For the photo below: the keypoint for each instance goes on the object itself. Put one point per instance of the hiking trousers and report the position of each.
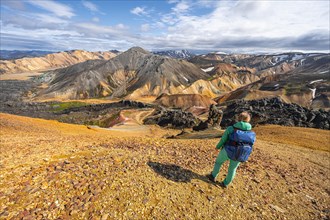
(222, 157)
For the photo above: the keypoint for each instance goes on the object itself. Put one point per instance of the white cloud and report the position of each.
(90, 6)
(231, 25)
(169, 19)
(172, 1)
(95, 19)
(145, 27)
(56, 8)
(19, 5)
(139, 11)
(91, 29)
(32, 21)
(247, 24)
(121, 27)
(50, 19)
(206, 3)
(181, 7)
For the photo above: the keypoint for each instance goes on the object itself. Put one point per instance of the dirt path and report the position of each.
(51, 170)
(141, 115)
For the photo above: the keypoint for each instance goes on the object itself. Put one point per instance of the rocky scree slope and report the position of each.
(232, 71)
(51, 61)
(52, 170)
(135, 72)
(307, 85)
(261, 65)
(187, 102)
(228, 77)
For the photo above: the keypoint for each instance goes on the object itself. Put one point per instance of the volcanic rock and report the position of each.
(214, 119)
(175, 118)
(276, 111)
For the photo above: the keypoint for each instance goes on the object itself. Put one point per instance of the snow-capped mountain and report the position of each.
(178, 54)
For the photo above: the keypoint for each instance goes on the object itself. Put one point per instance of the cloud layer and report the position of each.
(238, 26)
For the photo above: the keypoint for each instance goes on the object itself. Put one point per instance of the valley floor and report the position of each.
(51, 170)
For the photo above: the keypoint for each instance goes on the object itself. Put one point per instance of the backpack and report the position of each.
(240, 144)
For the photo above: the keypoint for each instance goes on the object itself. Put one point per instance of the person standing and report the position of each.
(235, 145)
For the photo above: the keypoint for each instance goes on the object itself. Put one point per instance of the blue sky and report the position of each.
(229, 26)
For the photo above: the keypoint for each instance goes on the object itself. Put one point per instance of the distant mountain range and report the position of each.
(137, 73)
(17, 54)
(308, 84)
(51, 61)
(177, 54)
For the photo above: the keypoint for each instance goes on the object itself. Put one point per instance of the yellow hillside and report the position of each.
(52, 170)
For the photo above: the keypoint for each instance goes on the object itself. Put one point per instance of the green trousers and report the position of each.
(222, 157)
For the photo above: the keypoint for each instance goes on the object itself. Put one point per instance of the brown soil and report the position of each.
(312, 138)
(52, 170)
(19, 76)
(184, 101)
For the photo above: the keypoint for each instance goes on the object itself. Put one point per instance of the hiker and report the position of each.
(235, 145)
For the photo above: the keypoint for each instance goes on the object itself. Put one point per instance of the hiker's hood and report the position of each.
(243, 125)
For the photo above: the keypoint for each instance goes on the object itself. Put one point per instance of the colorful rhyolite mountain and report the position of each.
(51, 61)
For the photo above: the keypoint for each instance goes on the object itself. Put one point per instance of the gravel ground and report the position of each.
(52, 170)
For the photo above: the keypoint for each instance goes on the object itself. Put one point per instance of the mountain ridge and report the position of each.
(18, 54)
(178, 54)
(135, 72)
(51, 61)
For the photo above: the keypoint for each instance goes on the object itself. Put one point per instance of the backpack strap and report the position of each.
(235, 143)
(235, 128)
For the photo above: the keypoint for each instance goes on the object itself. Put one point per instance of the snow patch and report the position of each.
(185, 78)
(221, 53)
(208, 69)
(313, 92)
(319, 80)
(281, 58)
(297, 57)
(272, 63)
(302, 61)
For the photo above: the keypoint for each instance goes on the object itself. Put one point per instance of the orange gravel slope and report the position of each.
(52, 170)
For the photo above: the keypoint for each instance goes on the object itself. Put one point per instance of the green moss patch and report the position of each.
(57, 107)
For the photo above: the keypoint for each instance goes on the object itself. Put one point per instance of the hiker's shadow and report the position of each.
(176, 173)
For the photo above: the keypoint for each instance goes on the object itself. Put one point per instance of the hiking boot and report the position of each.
(222, 184)
(211, 177)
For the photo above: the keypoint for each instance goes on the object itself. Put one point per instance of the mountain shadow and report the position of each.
(176, 173)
